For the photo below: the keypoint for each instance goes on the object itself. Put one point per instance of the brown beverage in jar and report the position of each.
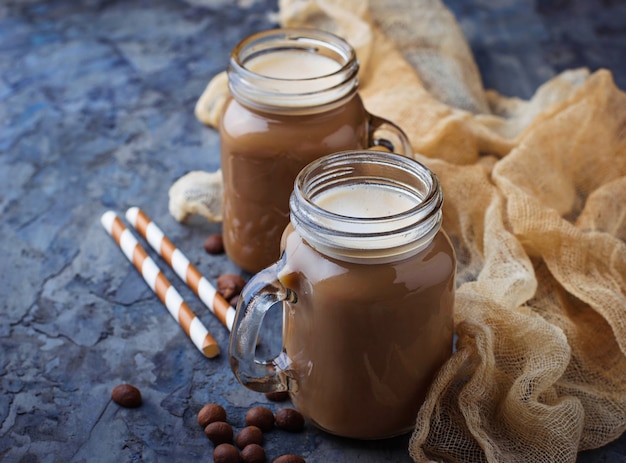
(293, 99)
(368, 317)
(367, 280)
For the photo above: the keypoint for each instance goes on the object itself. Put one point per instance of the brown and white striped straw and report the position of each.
(157, 281)
(182, 266)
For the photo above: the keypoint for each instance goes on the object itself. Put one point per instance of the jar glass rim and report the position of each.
(291, 39)
(264, 92)
(393, 234)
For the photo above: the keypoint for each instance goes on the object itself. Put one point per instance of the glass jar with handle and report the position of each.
(293, 98)
(366, 280)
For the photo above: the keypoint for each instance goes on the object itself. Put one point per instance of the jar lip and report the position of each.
(296, 38)
(433, 198)
(268, 92)
(387, 236)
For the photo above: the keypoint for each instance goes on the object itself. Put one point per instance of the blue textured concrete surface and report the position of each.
(96, 113)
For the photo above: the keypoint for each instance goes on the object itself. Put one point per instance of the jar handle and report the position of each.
(261, 292)
(386, 134)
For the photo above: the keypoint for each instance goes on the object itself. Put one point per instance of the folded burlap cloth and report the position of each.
(535, 204)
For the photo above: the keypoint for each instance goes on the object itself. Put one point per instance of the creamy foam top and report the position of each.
(365, 201)
(367, 223)
(292, 64)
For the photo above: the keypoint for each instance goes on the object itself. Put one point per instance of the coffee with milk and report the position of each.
(293, 99)
(367, 284)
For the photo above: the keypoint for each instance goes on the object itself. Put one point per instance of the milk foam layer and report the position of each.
(365, 201)
(292, 64)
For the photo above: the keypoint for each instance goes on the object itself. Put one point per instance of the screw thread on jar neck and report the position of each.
(292, 85)
(367, 206)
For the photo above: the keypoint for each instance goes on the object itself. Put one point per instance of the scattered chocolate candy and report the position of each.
(277, 396)
(253, 453)
(219, 432)
(226, 453)
(249, 435)
(126, 395)
(250, 439)
(289, 459)
(230, 285)
(261, 417)
(211, 413)
(214, 244)
(290, 420)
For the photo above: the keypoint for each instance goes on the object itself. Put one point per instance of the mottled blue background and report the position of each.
(96, 113)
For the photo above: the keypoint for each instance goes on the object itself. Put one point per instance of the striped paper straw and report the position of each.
(182, 266)
(157, 281)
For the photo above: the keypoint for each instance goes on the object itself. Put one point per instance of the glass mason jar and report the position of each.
(293, 98)
(366, 281)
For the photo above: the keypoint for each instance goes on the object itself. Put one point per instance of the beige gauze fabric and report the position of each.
(535, 204)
